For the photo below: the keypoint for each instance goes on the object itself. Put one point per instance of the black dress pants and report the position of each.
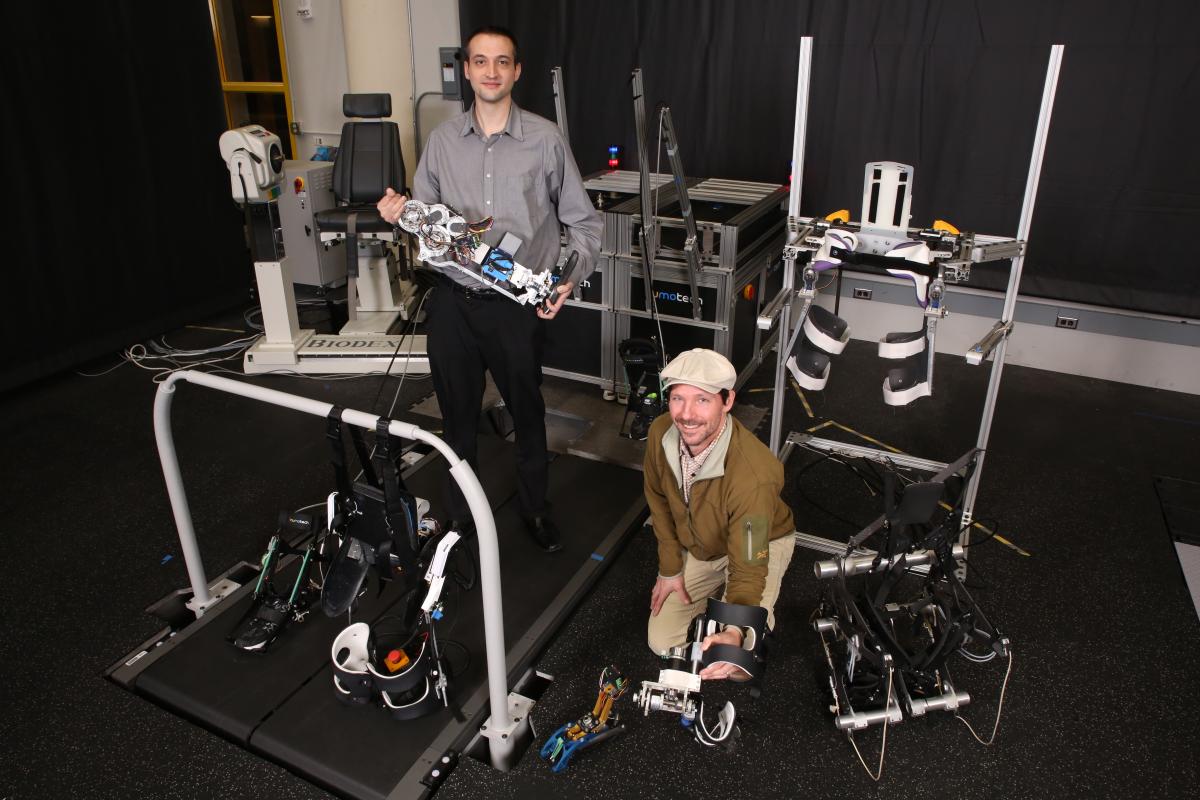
(471, 333)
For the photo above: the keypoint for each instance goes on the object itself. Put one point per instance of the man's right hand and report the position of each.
(390, 206)
(662, 590)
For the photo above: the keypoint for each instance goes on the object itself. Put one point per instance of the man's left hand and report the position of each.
(550, 310)
(723, 670)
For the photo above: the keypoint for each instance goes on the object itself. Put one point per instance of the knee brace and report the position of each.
(752, 620)
(909, 380)
(403, 675)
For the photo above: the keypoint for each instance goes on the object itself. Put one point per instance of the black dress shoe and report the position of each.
(544, 532)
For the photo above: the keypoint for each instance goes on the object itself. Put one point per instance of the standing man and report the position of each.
(713, 490)
(497, 160)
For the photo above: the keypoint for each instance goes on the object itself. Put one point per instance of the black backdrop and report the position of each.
(119, 204)
(951, 87)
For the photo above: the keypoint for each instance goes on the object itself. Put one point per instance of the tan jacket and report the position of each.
(735, 506)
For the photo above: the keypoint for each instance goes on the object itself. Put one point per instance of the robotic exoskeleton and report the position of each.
(891, 619)
(677, 689)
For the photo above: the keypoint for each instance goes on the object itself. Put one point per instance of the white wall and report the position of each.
(434, 25)
(317, 76)
(367, 46)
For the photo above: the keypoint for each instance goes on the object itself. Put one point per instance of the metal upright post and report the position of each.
(1014, 279)
(790, 251)
(560, 102)
(648, 234)
(685, 210)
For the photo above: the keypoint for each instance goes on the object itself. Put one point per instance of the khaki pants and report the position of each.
(703, 579)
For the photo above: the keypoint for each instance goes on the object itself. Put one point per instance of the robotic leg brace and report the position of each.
(677, 689)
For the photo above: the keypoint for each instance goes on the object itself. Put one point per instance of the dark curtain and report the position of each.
(120, 207)
(951, 87)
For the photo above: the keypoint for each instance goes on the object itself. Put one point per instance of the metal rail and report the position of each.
(502, 721)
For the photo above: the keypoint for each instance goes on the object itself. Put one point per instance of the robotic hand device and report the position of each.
(447, 240)
(889, 622)
(590, 729)
(677, 689)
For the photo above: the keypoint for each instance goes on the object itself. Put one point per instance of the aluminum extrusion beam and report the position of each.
(1014, 277)
(560, 102)
(649, 230)
(799, 134)
(685, 209)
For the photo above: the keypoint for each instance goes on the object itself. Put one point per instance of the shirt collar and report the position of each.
(513, 128)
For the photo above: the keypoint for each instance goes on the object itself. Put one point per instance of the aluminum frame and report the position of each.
(982, 248)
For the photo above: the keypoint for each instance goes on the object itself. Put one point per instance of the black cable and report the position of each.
(412, 328)
(800, 488)
(451, 674)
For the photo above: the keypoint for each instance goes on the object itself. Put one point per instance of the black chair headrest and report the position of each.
(371, 106)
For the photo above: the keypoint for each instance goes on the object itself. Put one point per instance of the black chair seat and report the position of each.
(336, 220)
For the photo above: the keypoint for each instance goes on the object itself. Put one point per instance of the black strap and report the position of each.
(753, 661)
(352, 246)
(333, 432)
(399, 504)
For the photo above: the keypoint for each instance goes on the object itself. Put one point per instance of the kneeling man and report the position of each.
(713, 491)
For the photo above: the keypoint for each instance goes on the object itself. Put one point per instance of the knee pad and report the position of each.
(824, 335)
(909, 380)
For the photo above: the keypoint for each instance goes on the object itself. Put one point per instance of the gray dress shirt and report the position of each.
(525, 177)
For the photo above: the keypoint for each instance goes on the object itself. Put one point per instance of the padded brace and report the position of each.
(823, 334)
(902, 344)
(907, 382)
(752, 660)
(408, 694)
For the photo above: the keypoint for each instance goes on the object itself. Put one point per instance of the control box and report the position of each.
(306, 189)
(450, 72)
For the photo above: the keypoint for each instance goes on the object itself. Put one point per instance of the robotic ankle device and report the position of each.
(643, 360)
(403, 669)
(590, 729)
(889, 621)
(379, 524)
(271, 610)
(448, 240)
(677, 689)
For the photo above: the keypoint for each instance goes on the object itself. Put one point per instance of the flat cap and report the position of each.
(704, 369)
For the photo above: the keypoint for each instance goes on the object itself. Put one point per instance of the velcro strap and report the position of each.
(732, 654)
(426, 703)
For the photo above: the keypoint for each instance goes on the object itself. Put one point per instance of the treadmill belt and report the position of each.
(282, 703)
(233, 691)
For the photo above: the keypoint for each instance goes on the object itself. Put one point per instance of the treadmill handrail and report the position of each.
(485, 523)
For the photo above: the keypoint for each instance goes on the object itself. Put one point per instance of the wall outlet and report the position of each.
(1070, 323)
(861, 293)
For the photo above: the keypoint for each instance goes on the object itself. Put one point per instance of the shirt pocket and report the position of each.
(521, 197)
